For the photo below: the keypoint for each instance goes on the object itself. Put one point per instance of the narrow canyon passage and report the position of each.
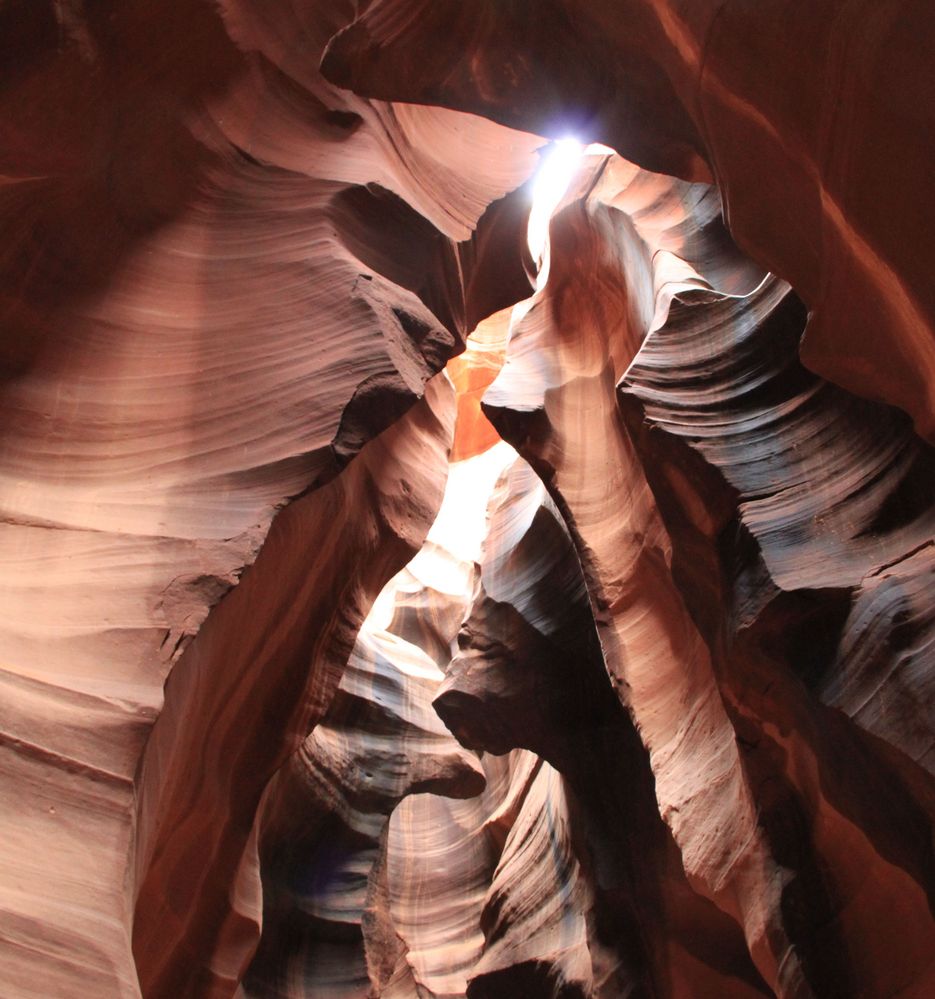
(468, 496)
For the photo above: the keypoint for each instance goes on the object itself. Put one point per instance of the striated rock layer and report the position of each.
(417, 582)
(222, 277)
(720, 596)
(797, 111)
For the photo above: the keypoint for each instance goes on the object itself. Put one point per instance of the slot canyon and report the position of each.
(467, 499)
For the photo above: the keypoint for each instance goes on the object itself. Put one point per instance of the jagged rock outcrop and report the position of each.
(600, 663)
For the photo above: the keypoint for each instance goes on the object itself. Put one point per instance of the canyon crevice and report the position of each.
(468, 500)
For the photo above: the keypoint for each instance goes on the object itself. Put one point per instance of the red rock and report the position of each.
(265, 565)
(796, 110)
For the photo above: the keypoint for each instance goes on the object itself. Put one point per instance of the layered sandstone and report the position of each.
(797, 111)
(400, 603)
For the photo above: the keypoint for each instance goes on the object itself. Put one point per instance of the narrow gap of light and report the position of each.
(456, 539)
(555, 173)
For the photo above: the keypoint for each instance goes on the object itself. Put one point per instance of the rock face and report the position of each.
(393, 606)
(796, 143)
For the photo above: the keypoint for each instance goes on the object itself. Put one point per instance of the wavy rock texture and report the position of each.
(553, 879)
(206, 313)
(793, 592)
(262, 671)
(802, 149)
(310, 684)
(327, 810)
(721, 592)
(624, 919)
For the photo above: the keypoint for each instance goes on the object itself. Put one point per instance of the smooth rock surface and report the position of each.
(420, 580)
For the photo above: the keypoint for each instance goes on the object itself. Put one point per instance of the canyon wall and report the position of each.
(404, 596)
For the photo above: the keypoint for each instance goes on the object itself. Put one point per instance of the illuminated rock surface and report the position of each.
(599, 664)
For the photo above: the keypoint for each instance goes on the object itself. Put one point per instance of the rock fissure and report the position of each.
(444, 559)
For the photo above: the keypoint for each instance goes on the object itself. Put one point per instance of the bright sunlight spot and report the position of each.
(555, 174)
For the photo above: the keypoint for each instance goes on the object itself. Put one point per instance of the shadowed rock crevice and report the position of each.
(439, 561)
